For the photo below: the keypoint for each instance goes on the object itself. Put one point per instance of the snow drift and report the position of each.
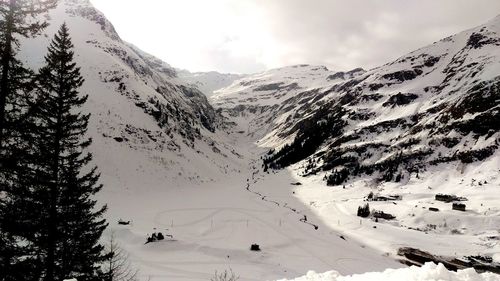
(429, 271)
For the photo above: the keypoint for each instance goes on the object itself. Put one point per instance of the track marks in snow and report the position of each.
(285, 205)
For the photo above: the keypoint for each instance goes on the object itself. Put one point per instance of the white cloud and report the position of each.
(252, 35)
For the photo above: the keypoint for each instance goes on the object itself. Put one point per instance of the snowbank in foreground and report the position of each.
(428, 272)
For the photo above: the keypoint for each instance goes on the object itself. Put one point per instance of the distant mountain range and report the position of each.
(209, 82)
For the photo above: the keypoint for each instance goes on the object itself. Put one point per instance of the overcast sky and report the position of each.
(246, 36)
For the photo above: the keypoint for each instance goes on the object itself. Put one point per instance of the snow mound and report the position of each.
(428, 272)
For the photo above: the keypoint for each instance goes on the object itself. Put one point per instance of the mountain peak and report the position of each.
(85, 9)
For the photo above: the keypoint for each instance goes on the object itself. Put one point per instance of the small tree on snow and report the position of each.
(225, 276)
(364, 211)
(117, 266)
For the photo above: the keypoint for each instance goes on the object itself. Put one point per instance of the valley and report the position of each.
(284, 158)
(214, 224)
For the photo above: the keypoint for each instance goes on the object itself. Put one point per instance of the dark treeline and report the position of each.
(50, 225)
(312, 132)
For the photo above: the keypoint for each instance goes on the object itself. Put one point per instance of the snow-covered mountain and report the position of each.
(262, 99)
(438, 104)
(140, 109)
(208, 82)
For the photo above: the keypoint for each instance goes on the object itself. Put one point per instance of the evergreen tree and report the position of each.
(364, 211)
(17, 20)
(68, 243)
(19, 224)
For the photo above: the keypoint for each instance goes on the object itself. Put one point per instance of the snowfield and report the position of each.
(428, 272)
(213, 226)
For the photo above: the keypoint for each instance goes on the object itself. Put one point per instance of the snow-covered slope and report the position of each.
(208, 82)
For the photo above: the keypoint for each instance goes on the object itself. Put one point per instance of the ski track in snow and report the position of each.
(285, 205)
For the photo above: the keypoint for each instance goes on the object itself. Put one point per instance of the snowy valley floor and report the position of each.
(214, 224)
(298, 227)
(215, 231)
